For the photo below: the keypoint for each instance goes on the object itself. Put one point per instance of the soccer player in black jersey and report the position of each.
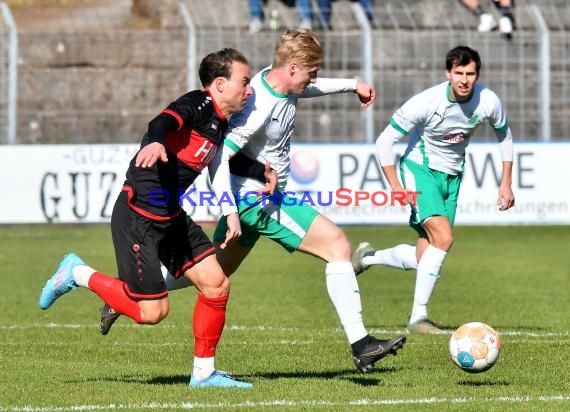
(149, 227)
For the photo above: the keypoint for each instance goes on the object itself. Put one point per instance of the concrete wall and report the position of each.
(98, 72)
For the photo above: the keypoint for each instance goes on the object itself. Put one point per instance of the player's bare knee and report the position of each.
(443, 241)
(152, 317)
(153, 311)
(217, 289)
(447, 241)
(212, 284)
(341, 248)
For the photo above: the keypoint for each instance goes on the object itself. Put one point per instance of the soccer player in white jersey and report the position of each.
(262, 133)
(440, 122)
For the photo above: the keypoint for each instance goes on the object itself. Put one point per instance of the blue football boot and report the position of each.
(218, 379)
(61, 281)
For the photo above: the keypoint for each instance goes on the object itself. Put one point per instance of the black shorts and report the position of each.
(142, 244)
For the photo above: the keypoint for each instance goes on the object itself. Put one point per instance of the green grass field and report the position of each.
(282, 332)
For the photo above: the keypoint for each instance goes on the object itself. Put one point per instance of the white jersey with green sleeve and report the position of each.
(263, 129)
(440, 129)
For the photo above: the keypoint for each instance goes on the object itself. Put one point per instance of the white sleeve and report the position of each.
(385, 143)
(500, 125)
(324, 86)
(243, 126)
(506, 145)
(219, 170)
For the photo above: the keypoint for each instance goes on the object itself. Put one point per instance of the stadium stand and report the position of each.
(96, 71)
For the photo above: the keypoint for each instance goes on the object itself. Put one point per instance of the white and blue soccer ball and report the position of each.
(474, 347)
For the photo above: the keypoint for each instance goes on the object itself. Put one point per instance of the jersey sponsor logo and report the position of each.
(455, 137)
(197, 151)
(203, 153)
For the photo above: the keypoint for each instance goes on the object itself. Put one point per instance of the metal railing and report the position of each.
(8, 74)
(404, 53)
(100, 73)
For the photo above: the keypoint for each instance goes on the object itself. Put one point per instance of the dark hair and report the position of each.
(219, 64)
(462, 56)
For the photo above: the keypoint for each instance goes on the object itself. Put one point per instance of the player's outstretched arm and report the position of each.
(366, 94)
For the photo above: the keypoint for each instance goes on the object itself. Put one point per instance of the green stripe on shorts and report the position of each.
(281, 218)
(439, 193)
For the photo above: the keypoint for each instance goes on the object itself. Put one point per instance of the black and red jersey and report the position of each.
(155, 191)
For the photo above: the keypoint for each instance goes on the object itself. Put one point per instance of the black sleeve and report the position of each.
(189, 108)
(160, 126)
(241, 165)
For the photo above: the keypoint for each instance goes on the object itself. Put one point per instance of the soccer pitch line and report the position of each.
(546, 399)
(261, 328)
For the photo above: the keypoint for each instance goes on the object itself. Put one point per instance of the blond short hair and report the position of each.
(300, 45)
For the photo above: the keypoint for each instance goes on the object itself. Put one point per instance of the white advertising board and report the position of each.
(79, 183)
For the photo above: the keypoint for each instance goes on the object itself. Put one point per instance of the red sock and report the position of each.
(208, 323)
(112, 292)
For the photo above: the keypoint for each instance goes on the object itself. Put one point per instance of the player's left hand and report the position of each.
(506, 198)
(366, 94)
(234, 229)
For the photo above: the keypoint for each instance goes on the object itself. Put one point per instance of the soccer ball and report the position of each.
(474, 347)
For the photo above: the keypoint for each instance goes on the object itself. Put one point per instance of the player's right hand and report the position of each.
(409, 199)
